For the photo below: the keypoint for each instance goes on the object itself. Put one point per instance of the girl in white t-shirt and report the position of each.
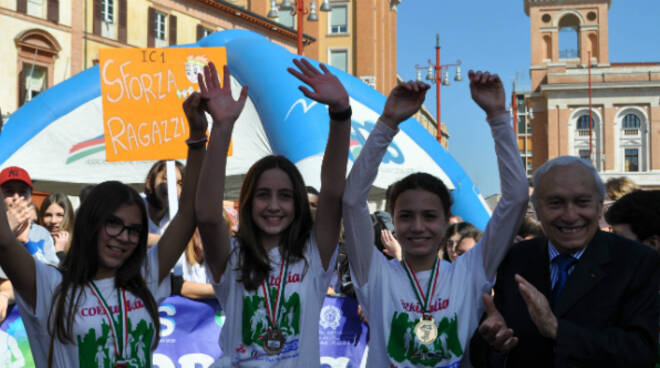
(100, 307)
(422, 310)
(272, 277)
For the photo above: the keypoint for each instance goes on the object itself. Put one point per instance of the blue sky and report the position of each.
(494, 35)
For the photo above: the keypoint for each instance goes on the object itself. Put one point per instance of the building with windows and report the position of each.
(580, 103)
(48, 41)
(358, 37)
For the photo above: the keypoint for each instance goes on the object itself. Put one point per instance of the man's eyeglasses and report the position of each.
(114, 226)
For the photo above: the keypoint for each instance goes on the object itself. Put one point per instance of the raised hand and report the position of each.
(60, 240)
(326, 87)
(192, 107)
(391, 246)
(538, 308)
(404, 101)
(217, 99)
(487, 91)
(494, 330)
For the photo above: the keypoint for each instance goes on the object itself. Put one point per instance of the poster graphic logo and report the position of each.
(359, 134)
(255, 322)
(330, 317)
(86, 148)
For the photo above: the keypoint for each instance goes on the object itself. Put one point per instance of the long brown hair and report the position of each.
(81, 263)
(67, 222)
(254, 264)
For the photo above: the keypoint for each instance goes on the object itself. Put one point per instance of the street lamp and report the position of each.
(298, 9)
(434, 75)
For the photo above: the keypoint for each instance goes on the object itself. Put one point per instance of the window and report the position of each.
(35, 8)
(584, 153)
(339, 19)
(339, 59)
(108, 11)
(631, 124)
(35, 80)
(568, 37)
(161, 26)
(286, 19)
(583, 125)
(520, 101)
(631, 156)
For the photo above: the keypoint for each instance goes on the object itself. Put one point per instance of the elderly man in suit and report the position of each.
(578, 297)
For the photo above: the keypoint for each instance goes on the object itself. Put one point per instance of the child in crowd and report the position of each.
(271, 278)
(107, 267)
(56, 215)
(422, 310)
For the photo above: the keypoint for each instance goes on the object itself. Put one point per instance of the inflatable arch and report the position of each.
(58, 136)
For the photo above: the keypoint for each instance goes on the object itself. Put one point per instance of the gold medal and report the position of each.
(273, 342)
(425, 330)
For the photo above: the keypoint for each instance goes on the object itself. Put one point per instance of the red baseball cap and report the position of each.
(15, 173)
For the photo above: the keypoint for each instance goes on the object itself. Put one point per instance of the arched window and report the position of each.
(37, 51)
(631, 121)
(583, 125)
(569, 43)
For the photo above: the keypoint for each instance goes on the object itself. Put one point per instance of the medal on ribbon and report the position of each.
(273, 341)
(118, 330)
(426, 331)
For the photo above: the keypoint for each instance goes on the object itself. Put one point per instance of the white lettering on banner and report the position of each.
(304, 104)
(341, 362)
(185, 361)
(125, 137)
(138, 87)
(167, 323)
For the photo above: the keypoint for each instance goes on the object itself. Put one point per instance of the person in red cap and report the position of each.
(16, 187)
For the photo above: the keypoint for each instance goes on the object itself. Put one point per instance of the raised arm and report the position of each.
(16, 261)
(327, 89)
(180, 230)
(488, 92)
(404, 100)
(224, 111)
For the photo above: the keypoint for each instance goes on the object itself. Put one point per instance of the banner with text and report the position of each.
(142, 93)
(190, 330)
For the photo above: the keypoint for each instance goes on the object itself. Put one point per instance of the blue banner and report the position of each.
(190, 330)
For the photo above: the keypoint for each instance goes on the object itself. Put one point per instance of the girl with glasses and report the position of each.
(100, 307)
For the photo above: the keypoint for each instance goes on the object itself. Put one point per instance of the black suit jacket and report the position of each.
(607, 312)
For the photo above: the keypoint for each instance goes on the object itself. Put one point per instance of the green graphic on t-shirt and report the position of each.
(99, 352)
(403, 345)
(255, 316)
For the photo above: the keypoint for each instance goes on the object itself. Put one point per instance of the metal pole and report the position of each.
(438, 82)
(591, 147)
(300, 12)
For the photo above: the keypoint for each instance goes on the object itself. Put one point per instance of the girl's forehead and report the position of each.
(274, 178)
(418, 198)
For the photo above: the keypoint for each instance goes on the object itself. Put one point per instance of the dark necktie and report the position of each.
(564, 262)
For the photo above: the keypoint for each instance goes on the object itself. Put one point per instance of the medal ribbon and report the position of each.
(422, 298)
(122, 325)
(273, 306)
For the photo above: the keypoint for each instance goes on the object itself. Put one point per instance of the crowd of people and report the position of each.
(570, 278)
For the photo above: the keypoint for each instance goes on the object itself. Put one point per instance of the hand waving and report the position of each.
(487, 91)
(327, 89)
(192, 107)
(217, 100)
(404, 100)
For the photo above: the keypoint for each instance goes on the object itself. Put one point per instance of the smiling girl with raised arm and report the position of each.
(423, 310)
(100, 307)
(272, 277)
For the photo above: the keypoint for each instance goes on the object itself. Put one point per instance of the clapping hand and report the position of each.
(538, 308)
(488, 92)
(404, 101)
(326, 87)
(494, 329)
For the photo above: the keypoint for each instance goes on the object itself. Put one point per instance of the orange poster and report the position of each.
(142, 92)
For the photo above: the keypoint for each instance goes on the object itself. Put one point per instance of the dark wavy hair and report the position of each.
(254, 264)
(423, 181)
(81, 263)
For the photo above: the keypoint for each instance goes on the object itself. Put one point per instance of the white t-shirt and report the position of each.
(195, 272)
(94, 345)
(392, 316)
(246, 323)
